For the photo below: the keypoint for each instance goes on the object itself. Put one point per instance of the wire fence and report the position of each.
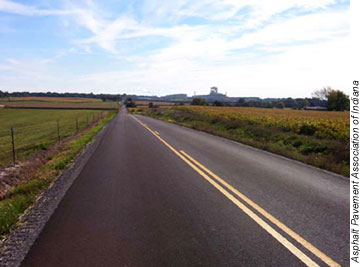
(18, 143)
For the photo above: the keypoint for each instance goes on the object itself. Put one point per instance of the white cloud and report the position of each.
(21, 9)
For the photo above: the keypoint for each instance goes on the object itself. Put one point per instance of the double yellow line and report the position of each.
(220, 185)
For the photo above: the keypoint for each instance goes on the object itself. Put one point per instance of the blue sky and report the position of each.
(262, 48)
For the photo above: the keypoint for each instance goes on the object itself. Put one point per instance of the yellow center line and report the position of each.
(294, 250)
(267, 215)
(157, 132)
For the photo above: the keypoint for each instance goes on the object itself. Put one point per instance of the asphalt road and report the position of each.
(140, 201)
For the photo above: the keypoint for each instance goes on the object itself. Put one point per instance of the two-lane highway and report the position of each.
(157, 194)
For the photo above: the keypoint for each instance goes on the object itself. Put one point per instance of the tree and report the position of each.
(241, 102)
(338, 101)
(199, 102)
(218, 103)
(322, 94)
(129, 103)
(266, 104)
(151, 105)
(301, 103)
(279, 104)
(289, 102)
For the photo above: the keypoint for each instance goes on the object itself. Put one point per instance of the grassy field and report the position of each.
(314, 137)
(20, 197)
(57, 103)
(52, 99)
(36, 129)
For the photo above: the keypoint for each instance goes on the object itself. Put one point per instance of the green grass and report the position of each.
(19, 198)
(36, 129)
(11, 209)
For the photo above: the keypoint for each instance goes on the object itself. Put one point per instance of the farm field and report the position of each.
(36, 129)
(317, 138)
(57, 103)
(52, 99)
(156, 103)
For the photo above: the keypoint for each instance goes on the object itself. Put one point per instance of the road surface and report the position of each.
(157, 194)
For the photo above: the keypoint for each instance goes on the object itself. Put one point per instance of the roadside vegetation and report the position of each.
(17, 200)
(318, 138)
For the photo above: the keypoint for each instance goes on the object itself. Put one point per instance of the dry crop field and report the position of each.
(156, 103)
(319, 138)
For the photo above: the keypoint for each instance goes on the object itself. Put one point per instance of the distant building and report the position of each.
(213, 90)
(215, 96)
(175, 97)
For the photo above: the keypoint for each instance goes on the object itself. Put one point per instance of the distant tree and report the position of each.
(289, 102)
(301, 103)
(199, 102)
(151, 105)
(322, 94)
(240, 102)
(266, 104)
(279, 104)
(251, 103)
(129, 103)
(218, 103)
(337, 101)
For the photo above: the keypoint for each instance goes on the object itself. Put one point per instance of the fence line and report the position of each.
(62, 129)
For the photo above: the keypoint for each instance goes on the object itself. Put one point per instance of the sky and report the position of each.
(263, 48)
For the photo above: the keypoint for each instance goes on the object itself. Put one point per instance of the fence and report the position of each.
(20, 142)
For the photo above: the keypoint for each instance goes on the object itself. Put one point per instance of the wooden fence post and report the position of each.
(58, 130)
(13, 144)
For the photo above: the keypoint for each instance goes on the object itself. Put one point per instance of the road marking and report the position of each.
(157, 132)
(267, 215)
(294, 250)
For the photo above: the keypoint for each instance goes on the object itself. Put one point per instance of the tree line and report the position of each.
(104, 97)
(331, 99)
